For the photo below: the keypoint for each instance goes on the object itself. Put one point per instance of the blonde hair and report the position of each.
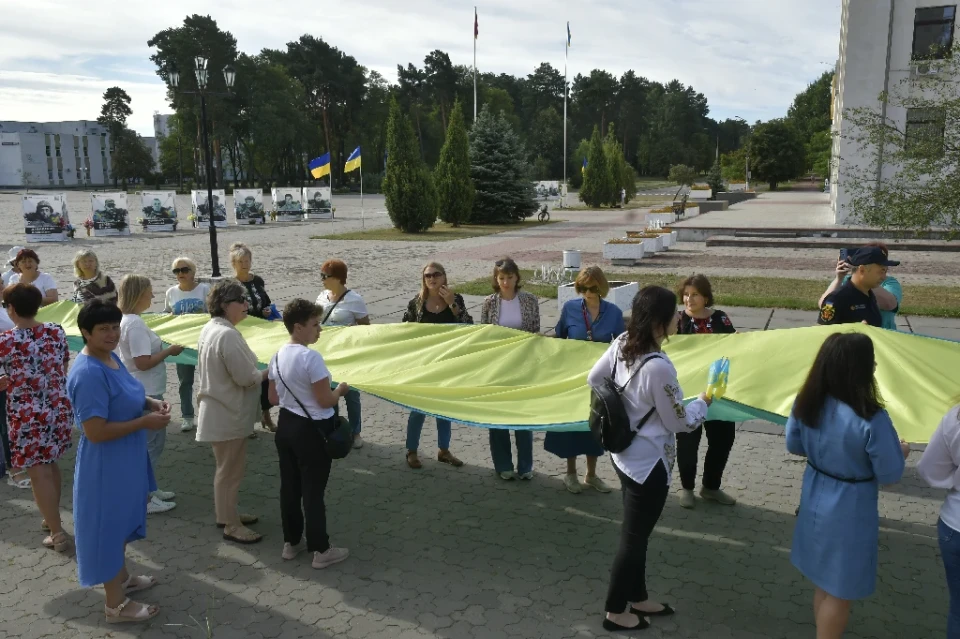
(238, 251)
(132, 288)
(423, 280)
(82, 253)
(592, 274)
(186, 261)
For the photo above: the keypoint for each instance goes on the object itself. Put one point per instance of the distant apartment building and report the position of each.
(883, 42)
(44, 154)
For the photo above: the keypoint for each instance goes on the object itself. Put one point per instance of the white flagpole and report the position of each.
(362, 222)
(566, 53)
(474, 63)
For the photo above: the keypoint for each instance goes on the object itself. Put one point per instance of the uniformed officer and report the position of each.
(854, 301)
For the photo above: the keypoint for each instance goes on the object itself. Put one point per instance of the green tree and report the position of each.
(410, 195)
(113, 115)
(733, 165)
(132, 158)
(629, 181)
(504, 192)
(455, 190)
(776, 152)
(176, 151)
(616, 166)
(715, 179)
(819, 150)
(575, 164)
(682, 175)
(597, 180)
(810, 111)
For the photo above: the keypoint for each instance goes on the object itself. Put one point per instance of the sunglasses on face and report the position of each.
(588, 289)
(238, 300)
(324, 276)
(181, 269)
(430, 276)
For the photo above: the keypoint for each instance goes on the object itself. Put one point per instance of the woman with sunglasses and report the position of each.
(593, 319)
(436, 303)
(188, 296)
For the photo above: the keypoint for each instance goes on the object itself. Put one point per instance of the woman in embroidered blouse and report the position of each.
(512, 308)
(435, 304)
(594, 319)
(698, 316)
(651, 394)
(91, 284)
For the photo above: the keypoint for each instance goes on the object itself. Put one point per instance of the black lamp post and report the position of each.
(229, 76)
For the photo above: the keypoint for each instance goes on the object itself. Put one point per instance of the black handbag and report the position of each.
(339, 442)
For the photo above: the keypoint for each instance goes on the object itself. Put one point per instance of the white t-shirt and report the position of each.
(5, 323)
(301, 367)
(180, 302)
(136, 340)
(940, 463)
(44, 282)
(510, 313)
(6, 277)
(350, 309)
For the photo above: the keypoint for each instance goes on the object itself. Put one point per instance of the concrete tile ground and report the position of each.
(443, 552)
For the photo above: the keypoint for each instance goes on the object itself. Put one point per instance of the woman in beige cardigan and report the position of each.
(228, 396)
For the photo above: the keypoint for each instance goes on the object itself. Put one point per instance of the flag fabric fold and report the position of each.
(583, 169)
(320, 166)
(476, 24)
(568, 34)
(353, 162)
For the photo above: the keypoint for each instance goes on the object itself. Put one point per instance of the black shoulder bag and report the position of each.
(322, 322)
(339, 442)
(609, 421)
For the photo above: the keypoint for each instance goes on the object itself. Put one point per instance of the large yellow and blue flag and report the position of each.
(320, 166)
(353, 162)
(568, 35)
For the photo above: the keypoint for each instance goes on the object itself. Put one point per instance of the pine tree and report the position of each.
(616, 165)
(597, 183)
(455, 190)
(715, 179)
(410, 195)
(500, 173)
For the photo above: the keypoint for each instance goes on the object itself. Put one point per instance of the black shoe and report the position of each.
(666, 612)
(614, 627)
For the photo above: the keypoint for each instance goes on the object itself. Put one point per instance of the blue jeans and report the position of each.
(155, 440)
(503, 455)
(415, 425)
(185, 376)
(352, 400)
(950, 551)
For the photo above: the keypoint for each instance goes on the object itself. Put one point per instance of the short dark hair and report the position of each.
(97, 312)
(843, 369)
(653, 307)
(699, 282)
(299, 311)
(24, 254)
(335, 268)
(506, 266)
(24, 298)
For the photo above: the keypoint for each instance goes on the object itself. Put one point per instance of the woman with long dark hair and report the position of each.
(838, 423)
(654, 403)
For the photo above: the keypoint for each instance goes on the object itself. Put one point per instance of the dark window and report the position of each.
(933, 32)
(924, 135)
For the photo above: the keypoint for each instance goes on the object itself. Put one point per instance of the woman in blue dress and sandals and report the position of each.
(112, 475)
(594, 319)
(838, 423)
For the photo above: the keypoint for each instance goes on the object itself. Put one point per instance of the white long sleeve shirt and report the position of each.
(940, 465)
(655, 386)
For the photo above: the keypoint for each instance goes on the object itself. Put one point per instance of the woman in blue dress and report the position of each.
(594, 319)
(838, 423)
(112, 475)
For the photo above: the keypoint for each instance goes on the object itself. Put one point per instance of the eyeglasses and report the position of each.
(324, 276)
(588, 289)
(182, 269)
(430, 276)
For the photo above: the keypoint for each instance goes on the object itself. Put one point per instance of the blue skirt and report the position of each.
(572, 444)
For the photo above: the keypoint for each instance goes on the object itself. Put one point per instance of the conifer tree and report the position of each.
(410, 195)
(597, 183)
(500, 174)
(455, 190)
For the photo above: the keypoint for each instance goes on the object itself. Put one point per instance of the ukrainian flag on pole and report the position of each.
(320, 166)
(353, 162)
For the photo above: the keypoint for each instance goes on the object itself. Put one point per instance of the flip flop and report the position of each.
(145, 613)
(136, 584)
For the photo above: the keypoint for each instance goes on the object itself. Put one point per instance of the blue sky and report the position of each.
(749, 57)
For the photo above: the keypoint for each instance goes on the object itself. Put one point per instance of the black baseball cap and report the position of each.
(871, 255)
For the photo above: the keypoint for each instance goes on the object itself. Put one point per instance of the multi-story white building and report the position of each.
(44, 154)
(883, 43)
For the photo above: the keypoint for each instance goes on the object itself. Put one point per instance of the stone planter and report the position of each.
(662, 218)
(734, 187)
(691, 212)
(621, 294)
(669, 238)
(701, 194)
(625, 253)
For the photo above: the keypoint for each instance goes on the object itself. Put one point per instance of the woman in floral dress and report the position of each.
(33, 357)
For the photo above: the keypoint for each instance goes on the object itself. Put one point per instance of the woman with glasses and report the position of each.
(436, 303)
(342, 307)
(228, 395)
(188, 296)
(27, 264)
(594, 319)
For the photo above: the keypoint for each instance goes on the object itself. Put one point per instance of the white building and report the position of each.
(882, 43)
(54, 154)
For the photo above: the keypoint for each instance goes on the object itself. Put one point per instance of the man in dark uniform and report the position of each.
(854, 301)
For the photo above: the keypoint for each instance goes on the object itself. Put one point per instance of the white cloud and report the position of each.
(748, 57)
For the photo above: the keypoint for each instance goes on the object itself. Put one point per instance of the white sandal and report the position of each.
(136, 584)
(114, 615)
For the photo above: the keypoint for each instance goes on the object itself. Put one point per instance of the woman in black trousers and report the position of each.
(300, 384)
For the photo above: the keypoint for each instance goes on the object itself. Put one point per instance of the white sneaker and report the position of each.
(156, 505)
(164, 495)
(330, 557)
(291, 551)
(187, 424)
(357, 441)
(572, 484)
(508, 475)
(527, 476)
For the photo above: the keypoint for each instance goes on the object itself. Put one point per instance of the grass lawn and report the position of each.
(762, 292)
(441, 232)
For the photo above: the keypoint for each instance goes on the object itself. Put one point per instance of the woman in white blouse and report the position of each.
(654, 402)
(939, 467)
(28, 263)
(343, 307)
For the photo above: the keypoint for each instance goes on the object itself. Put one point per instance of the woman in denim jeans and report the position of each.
(188, 296)
(938, 467)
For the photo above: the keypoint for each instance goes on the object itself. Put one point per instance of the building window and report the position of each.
(924, 134)
(933, 32)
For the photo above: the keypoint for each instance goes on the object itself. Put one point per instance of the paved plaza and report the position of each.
(459, 553)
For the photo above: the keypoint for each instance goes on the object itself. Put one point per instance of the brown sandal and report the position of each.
(59, 542)
(242, 535)
(412, 460)
(446, 457)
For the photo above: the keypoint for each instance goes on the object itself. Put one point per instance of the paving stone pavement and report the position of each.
(444, 552)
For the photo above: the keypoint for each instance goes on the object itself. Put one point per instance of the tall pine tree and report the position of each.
(455, 190)
(410, 195)
(500, 174)
(597, 181)
(616, 166)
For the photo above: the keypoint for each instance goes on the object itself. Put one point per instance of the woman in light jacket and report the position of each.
(512, 308)
(651, 395)
(228, 394)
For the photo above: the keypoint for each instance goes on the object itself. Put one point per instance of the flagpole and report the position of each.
(362, 222)
(474, 63)
(566, 53)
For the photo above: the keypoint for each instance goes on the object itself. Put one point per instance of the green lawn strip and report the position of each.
(761, 292)
(441, 232)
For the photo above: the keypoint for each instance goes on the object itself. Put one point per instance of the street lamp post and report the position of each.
(202, 74)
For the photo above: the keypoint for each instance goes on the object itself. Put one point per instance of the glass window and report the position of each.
(933, 32)
(48, 150)
(924, 134)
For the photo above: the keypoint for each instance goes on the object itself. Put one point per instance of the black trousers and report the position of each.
(720, 436)
(304, 471)
(642, 505)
